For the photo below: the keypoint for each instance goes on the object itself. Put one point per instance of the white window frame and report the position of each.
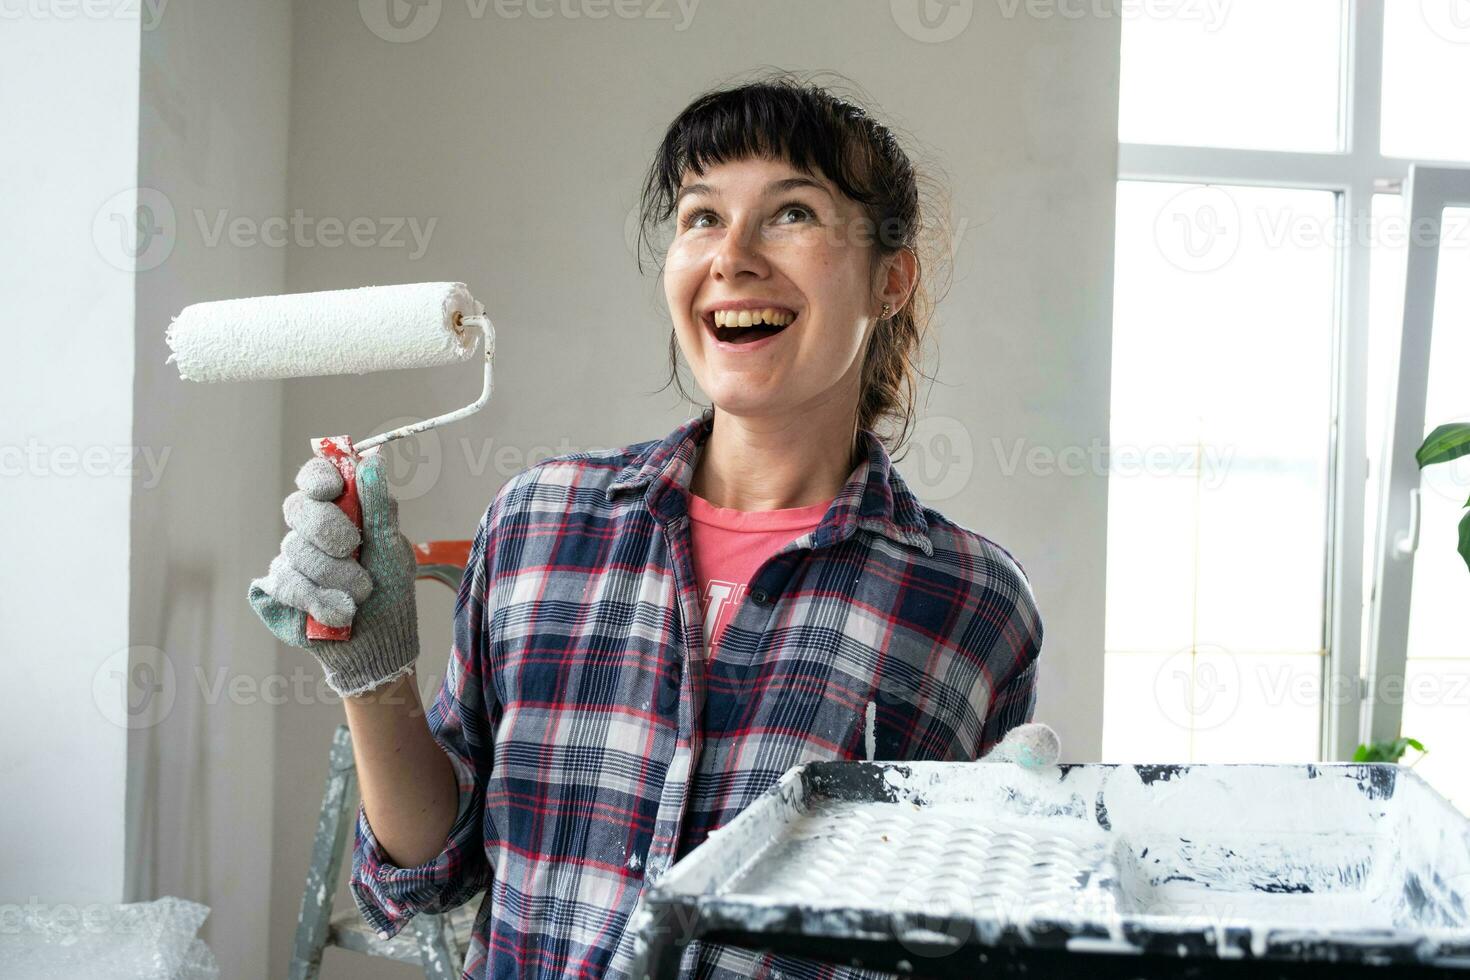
(1356, 172)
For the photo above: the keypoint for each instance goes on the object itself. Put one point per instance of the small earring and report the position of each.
(884, 314)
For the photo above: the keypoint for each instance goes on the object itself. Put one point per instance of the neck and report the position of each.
(763, 463)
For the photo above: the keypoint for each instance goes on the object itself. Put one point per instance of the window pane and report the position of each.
(1426, 73)
(1224, 304)
(1205, 704)
(1153, 688)
(1274, 717)
(1151, 526)
(1436, 705)
(1253, 74)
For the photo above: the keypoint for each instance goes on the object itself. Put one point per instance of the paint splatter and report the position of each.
(870, 730)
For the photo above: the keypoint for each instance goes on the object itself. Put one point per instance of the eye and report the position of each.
(791, 206)
(693, 218)
(689, 219)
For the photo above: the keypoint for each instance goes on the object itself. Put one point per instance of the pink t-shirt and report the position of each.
(731, 545)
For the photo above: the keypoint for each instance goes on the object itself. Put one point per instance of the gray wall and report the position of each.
(215, 105)
(524, 139)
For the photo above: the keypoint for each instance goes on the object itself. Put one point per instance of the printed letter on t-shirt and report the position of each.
(720, 601)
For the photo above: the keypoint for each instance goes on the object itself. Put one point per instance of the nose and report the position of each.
(740, 251)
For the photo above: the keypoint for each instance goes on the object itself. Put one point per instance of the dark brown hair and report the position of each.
(783, 116)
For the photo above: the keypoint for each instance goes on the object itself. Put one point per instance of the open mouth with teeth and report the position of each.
(744, 326)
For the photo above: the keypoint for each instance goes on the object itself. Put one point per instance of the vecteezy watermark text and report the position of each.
(306, 231)
(1209, 462)
(38, 459)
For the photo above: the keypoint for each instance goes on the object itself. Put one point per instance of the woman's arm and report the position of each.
(420, 842)
(409, 790)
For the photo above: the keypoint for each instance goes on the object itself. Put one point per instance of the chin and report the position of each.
(744, 399)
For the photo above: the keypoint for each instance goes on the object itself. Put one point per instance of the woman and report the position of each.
(647, 638)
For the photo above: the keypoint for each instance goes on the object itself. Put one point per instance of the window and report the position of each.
(1217, 492)
(1184, 77)
(1426, 72)
(1259, 290)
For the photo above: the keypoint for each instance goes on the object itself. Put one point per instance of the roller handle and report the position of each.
(340, 452)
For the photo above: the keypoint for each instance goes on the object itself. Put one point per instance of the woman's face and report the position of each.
(758, 234)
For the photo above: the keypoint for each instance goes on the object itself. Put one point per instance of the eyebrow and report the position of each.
(774, 187)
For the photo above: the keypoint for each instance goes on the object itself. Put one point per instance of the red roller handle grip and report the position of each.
(338, 449)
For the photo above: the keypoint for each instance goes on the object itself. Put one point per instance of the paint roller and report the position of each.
(340, 331)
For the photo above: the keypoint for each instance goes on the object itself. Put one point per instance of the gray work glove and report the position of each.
(1034, 745)
(315, 573)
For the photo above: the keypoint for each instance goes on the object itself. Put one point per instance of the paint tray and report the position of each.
(948, 869)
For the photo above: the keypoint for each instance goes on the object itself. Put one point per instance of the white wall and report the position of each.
(215, 111)
(69, 150)
(525, 138)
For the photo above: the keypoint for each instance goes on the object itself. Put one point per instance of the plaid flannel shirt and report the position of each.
(596, 740)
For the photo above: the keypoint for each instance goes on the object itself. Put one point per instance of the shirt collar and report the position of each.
(874, 497)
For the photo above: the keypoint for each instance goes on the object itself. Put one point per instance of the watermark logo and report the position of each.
(934, 913)
(1199, 229)
(135, 687)
(413, 463)
(660, 236)
(400, 21)
(1448, 19)
(139, 687)
(1198, 687)
(135, 229)
(941, 458)
(932, 21)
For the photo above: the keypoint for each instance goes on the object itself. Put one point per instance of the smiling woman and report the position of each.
(788, 198)
(648, 637)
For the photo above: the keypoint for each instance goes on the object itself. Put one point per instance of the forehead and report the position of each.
(752, 175)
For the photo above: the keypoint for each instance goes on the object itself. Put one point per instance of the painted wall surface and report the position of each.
(68, 156)
(214, 120)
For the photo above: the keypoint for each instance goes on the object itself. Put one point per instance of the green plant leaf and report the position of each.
(1464, 548)
(1447, 442)
(1372, 752)
(1387, 751)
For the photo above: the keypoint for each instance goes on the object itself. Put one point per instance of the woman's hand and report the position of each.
(315, 573)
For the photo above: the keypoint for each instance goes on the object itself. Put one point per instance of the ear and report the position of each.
(897, 276)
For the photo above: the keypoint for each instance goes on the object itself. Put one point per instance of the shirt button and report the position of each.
(760, 596)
